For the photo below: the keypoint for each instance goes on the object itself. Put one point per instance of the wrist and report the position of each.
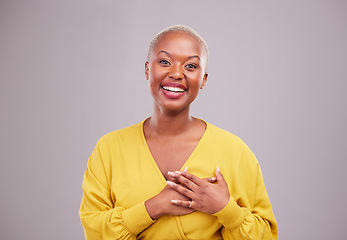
(153, 208)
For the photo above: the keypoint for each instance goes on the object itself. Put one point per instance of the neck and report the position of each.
(168, 124)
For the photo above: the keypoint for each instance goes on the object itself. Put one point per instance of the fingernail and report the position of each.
(218, 169)
(169, 183)
(213, 178)
(178, 172)
(171, 174)
(174, 201)
(186, 169)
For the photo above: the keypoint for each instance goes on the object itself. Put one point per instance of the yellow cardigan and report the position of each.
(122, 175)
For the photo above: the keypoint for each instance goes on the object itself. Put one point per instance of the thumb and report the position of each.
(219, 175)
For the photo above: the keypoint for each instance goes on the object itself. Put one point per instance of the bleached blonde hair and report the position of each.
(178, 28)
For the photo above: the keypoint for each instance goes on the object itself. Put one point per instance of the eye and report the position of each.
(190, 65)
(164, 62)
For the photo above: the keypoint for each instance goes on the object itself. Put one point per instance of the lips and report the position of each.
(174, 87)
(173, 90)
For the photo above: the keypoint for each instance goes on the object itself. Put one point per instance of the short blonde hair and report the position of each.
(178, 28)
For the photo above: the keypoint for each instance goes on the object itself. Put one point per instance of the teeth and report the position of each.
(173, 89)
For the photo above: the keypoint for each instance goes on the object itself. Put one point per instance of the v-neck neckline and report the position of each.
(185, 164)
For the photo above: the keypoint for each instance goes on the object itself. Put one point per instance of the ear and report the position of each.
(204, 80)
(147, 70)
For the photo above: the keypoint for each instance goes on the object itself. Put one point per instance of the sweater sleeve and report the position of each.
(244, 223)
(101, 218)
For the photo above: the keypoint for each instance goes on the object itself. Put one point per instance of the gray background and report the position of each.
(71, 71)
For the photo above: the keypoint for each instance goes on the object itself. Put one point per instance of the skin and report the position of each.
(205, 196)
(172, 134)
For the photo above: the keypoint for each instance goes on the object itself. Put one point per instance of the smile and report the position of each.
(173, 89)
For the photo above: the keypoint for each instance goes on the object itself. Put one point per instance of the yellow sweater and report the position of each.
(122, 175)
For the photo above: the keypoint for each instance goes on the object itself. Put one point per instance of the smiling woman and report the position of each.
(174, 176)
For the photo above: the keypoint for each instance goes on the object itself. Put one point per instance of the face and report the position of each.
(176, 71)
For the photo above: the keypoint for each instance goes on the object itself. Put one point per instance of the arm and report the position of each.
(100, 216)
(243, 223)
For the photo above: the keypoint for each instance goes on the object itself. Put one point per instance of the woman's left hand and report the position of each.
(206, 197)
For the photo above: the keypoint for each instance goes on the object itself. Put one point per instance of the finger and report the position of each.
(198, 181)
(187, 204)
(210, 179)
(172, 177)
(184, 191)
(185, 181)
(219, 175)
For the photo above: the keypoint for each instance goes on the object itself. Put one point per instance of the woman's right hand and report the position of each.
(161, 204)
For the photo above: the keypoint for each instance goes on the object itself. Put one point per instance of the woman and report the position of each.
(162, 178)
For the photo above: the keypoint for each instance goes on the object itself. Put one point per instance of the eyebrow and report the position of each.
(162, 51)
(195, 56)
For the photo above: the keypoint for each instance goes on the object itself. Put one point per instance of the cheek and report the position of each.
(196, 78)
(156, 76)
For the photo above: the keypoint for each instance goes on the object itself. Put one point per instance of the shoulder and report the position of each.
(112, 145)
(228, 143)
(224, 137)
(233, 153)
(127, 134)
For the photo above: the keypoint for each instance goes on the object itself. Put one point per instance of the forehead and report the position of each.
(180, 43)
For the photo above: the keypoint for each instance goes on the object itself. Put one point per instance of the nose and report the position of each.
(176, 72)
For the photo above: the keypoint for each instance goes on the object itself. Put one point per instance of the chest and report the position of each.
(171, 155)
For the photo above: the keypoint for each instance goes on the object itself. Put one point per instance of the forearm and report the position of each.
(240, 223)
(120, 222)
